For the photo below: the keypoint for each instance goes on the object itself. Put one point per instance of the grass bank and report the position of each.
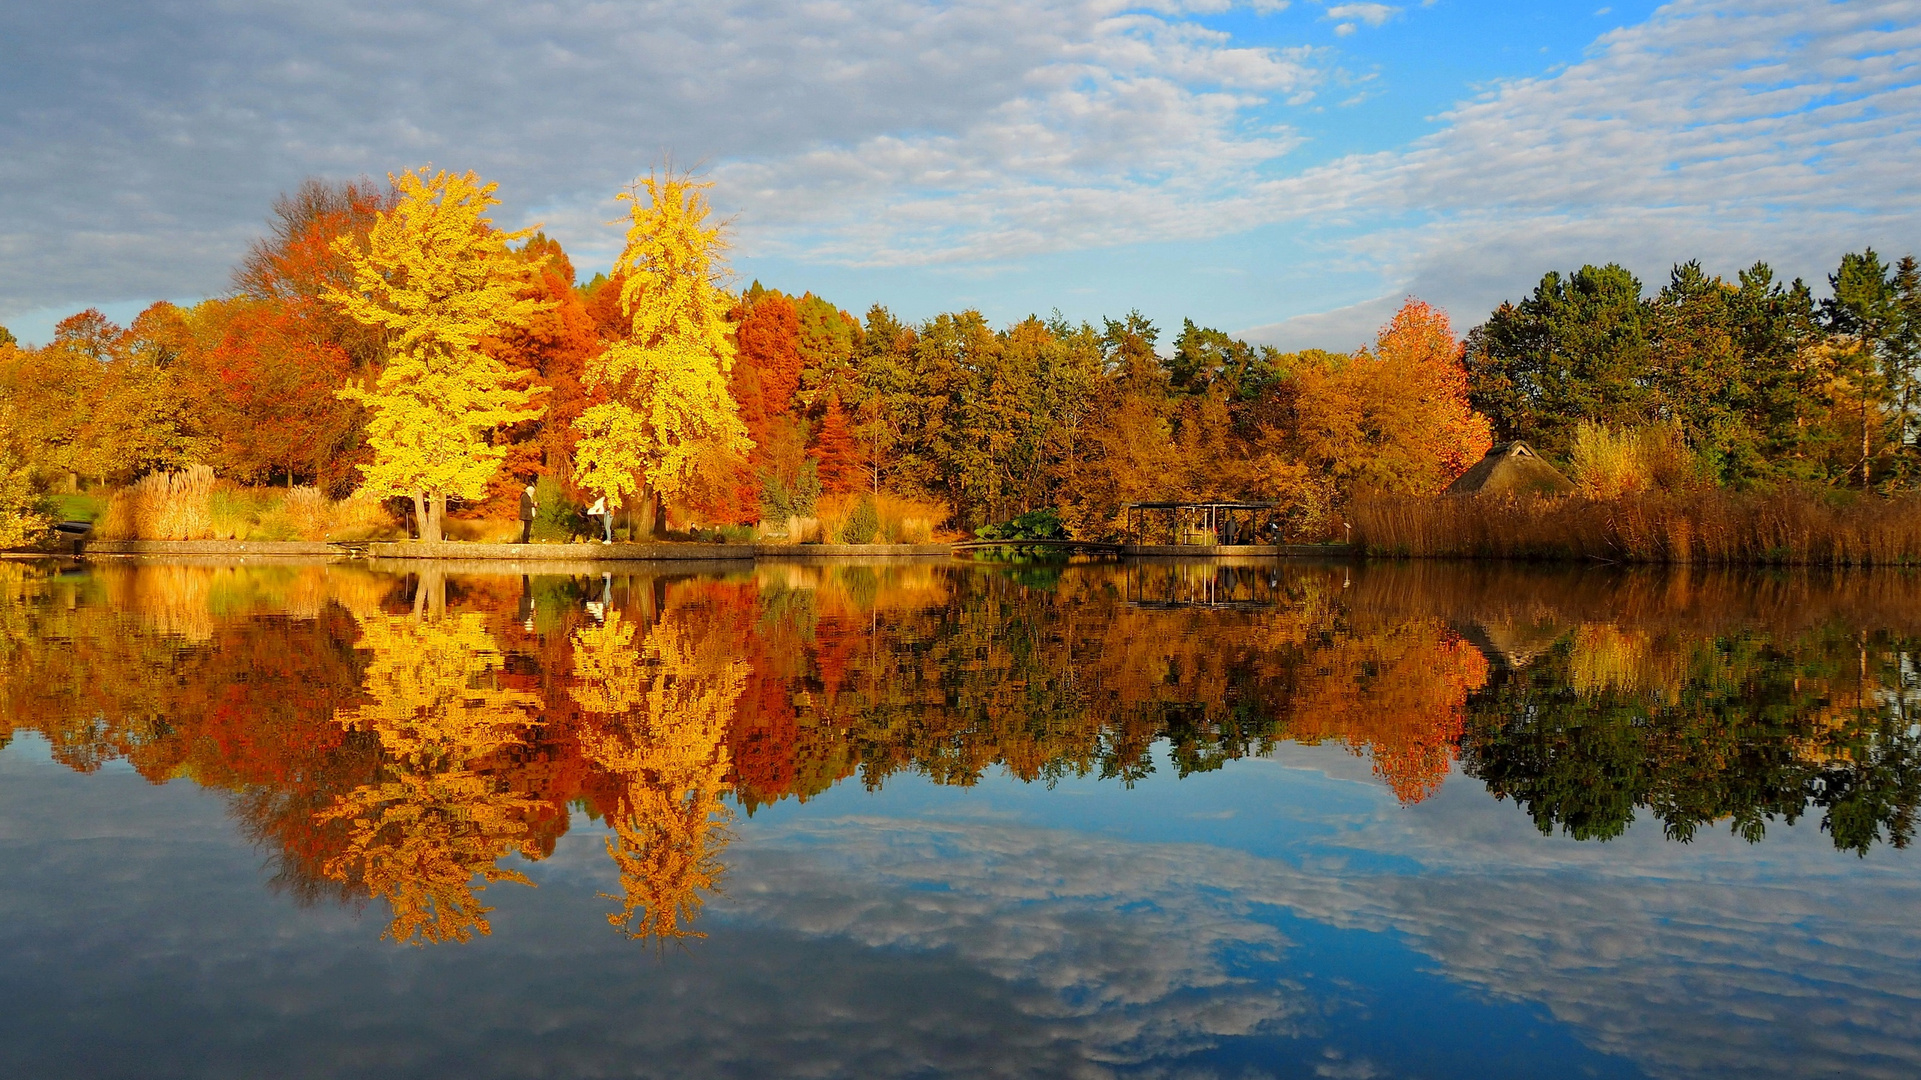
(1787, 527)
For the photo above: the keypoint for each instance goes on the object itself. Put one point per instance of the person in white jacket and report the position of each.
(599, 510)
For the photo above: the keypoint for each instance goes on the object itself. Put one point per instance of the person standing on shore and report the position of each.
(528, 508)
(599, 510)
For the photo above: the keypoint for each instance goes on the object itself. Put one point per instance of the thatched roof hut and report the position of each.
(1511, 469)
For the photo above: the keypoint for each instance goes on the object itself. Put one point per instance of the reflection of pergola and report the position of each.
(1198, 523)
(1184, 584)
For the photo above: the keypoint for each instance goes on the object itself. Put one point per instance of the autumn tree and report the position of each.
(552, 348)
(765, 382)
(265, 390)
(295, 267)
(836, 451)
(665, 414)
(439, 279)
(24, 513)
(105, 402)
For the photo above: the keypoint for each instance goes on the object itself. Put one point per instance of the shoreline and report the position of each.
(465, 551)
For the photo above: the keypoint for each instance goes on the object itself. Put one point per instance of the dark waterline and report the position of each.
(1200, 819)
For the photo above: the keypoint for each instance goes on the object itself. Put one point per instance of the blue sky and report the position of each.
(1287, 171)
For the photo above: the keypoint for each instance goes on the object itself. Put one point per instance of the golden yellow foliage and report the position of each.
(667, 403)
(420, 837)
(665, 708)
(437, 278)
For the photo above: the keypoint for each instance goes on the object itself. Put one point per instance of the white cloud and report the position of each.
(1371, 14)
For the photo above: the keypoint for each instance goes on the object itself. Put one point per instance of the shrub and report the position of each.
(908, 530)
(780, 500)
(1042, 524)
(25, 512)
(275, 524)
(908, 521)
(1609, 463)
(234, 511)
(558, 519)
(309, 512)
(482, 530)
(863, 524)
(362, 519)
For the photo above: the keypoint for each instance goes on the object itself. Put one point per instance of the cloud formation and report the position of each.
(1725, 132)
(142, 145)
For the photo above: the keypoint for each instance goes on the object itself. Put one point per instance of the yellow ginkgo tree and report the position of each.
(664, 406)
(438, 279)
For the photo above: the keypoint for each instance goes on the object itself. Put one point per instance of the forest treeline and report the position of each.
(362, 349)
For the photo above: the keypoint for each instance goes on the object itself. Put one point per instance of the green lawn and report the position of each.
(78, 507)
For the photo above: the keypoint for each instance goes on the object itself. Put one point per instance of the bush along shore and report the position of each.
(1789, 526)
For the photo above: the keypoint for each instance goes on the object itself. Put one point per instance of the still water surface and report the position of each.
(939, 820)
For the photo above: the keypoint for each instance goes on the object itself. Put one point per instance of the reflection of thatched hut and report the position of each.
(1511, 469)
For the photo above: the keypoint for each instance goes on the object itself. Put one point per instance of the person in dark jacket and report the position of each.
(528, 508)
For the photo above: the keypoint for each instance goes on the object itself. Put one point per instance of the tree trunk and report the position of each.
(420, 515)
(428, 506)
(644, 516)
(1867, 482)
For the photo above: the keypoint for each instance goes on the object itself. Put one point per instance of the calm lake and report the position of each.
(943, 819)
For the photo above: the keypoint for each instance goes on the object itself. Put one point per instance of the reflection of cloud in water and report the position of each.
(1682, 960)
(882, 947)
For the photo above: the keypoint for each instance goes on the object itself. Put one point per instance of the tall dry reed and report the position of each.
(162, 506)
(1713, 526)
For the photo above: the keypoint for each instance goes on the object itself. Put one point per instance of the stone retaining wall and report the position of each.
(415, 549)
(238, 548)
(620, 552)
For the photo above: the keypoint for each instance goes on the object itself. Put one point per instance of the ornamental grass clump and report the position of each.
(163, 506)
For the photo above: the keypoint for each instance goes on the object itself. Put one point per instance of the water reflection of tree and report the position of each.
(1744, 727)
(410, 767)
(437, 818)
(661, 707)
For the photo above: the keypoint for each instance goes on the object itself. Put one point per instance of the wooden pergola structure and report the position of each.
(1198, 523)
